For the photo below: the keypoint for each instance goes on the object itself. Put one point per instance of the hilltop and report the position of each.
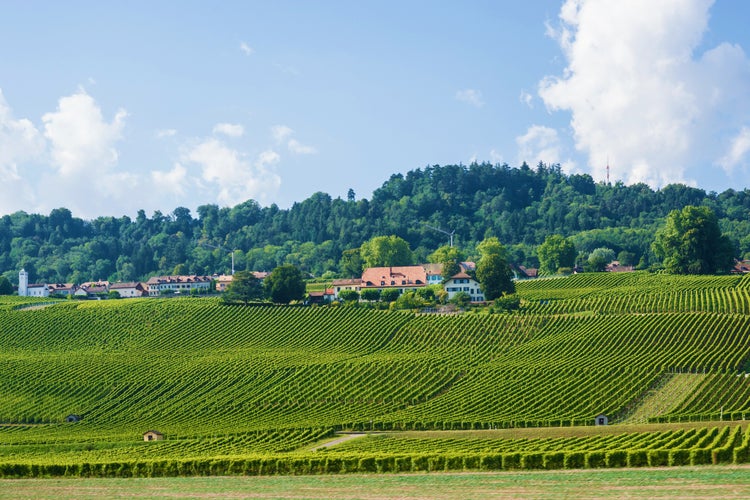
(519, 205)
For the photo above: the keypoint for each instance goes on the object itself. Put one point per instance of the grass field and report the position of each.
(685, 482)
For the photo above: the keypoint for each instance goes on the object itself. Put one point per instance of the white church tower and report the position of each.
(23, 283)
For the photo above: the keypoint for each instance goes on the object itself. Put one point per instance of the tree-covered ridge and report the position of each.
(520, 206)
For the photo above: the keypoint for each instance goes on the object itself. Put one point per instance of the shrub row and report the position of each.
(736, 450)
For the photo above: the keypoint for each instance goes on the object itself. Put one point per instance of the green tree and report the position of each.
(285, 284)
(6, 288)
(349, 295)
(495, 276)
(370, 294)
(691, 242)
(386, 251)
(351, 263)
(389, 294)
(556, 252)
(461, 299)
(599, 258)
(450, 258)
(244, 287)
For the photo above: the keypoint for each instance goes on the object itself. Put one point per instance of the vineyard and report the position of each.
(253, 390)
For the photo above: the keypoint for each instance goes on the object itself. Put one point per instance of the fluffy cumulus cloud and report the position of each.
(229, 129)
(81, 140)
(470, 96)
(639, 93)
(20, 142)
(539, 143)
(283, 135)
(235, 176)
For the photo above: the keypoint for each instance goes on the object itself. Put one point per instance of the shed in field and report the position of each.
(73, 418)
(153, 436)
(601, 419)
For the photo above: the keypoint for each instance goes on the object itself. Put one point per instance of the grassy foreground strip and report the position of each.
(685, 482)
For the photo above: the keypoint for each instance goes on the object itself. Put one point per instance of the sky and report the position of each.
(111, 107)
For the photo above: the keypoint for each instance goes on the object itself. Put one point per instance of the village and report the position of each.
(400, 278)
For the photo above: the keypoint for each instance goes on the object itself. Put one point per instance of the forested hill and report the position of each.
(520, 206)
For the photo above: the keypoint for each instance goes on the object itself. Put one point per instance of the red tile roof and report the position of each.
(395, 276)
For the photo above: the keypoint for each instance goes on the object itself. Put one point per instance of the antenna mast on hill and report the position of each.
(608, 171)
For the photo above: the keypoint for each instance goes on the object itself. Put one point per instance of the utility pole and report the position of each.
(221, 248)
(442, 231)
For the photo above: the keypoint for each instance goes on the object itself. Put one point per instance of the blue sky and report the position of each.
(111, 107)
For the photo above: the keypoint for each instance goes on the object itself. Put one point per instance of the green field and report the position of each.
(687, 482)
(255, 390)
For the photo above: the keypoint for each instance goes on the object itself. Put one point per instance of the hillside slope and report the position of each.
(194, 367)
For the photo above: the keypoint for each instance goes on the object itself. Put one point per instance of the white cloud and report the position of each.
(638, 94)
(229, 129)
(166, 132)
(496, 157)
(539, 143)
(470, 96)
(526, 98)
(81, 141)
(280, 133)
(300, 149)
(20, 142)
(738, 151)
(174, 181)
(231, 173)
(246, 49)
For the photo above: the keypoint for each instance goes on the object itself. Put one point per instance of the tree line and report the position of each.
(520, 206)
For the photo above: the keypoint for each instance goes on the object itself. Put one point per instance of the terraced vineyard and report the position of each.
(260, 385)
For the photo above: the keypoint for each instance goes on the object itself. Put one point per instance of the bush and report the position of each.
(658, 458)
(594, 460)
(637, 458)
(532, 460)
(554, 460)
(700, 456)
(491, 462)
(679, 457)
(511, 461)
(617, 458)
(574, 460)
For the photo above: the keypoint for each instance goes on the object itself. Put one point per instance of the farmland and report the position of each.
(255, 390)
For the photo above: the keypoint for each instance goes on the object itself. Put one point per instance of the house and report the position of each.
(462, 282)
(62, 289)
(157, 285)
(153, 436)
(36, 290)
(92, 289)
(30, 290)
(601, 419)
(129, 289)
(403, 278)
(321, 297)
(346, 284)
(435, 271)
(222, 282)
(740, 267)
(615, 267)
(527, 272)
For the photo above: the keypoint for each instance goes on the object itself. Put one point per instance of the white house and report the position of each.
(33, 290)
(339, 285)
(128, 290)
(177, 284)
(462, 282)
